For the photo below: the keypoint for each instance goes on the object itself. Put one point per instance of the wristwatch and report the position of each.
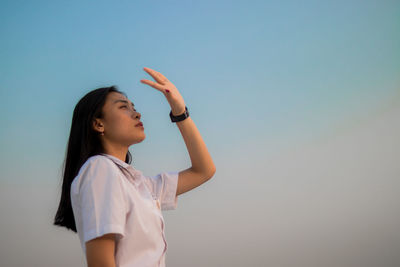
(179, 117)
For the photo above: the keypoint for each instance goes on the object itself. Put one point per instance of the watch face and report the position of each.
(179, 117)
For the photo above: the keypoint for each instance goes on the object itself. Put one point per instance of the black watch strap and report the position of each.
(179, 117)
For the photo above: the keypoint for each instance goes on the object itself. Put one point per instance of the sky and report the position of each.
(298, 103)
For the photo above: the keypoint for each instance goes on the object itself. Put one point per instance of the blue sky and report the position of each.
(260, 79)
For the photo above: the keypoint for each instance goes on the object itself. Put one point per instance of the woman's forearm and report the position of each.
(199, 156)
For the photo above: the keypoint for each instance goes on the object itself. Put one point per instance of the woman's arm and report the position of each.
(100, 251)
(203, 167)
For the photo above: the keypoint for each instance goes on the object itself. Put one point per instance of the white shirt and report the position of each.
(107, 199)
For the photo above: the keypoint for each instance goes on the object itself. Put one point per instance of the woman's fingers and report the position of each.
(167, 88)
(156, 75)
(153, 84)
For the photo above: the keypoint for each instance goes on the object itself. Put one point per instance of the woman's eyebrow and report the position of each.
(120, 100)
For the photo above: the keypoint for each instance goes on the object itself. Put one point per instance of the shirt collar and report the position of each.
(123, 164)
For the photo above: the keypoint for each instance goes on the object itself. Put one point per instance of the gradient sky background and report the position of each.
(297, 101)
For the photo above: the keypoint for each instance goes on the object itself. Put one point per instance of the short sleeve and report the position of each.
(163, 186)
(102, 201)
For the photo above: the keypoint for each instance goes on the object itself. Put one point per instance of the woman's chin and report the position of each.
(140, 139)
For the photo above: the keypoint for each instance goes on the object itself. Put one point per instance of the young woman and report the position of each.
(114, 208)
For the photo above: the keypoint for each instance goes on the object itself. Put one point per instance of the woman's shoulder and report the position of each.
(97, 160)
(99, 163)
(96, 164)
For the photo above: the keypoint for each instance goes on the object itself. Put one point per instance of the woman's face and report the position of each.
(119, 121)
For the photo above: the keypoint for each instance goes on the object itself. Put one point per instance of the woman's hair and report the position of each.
(83, 143)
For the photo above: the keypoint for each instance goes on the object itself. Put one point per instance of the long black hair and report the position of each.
(83, 143)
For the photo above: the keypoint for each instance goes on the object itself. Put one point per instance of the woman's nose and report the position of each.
(137, 114)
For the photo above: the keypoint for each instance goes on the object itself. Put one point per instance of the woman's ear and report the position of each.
(98, 125)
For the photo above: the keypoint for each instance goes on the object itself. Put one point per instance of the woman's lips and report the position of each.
(139, 124)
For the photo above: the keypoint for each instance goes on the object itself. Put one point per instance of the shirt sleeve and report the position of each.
(102, 200)
(163, 186)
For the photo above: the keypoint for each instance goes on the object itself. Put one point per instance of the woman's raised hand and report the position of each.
(163, 85)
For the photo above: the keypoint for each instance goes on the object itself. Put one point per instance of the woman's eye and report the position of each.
(127, 107)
